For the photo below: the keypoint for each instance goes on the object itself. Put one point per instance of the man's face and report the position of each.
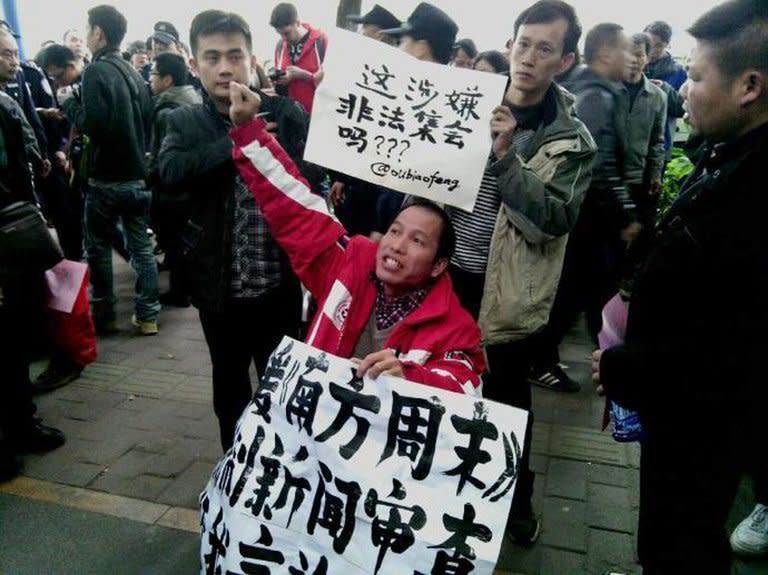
(712, 103)
(9, 58)
(75, 43)
(462, 59)
(157, 83)
(636, 63)
(160, 47)
(658, 47)
(290, 33)
(618, 57)
(63, 76)
(537, 56)
(405, 259)
(219, 60)
(419, 49)
(139, 60)
(94, 38)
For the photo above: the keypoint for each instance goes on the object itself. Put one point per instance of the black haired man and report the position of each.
(693, 362)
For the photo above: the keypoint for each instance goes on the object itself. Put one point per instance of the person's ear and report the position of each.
(751, 86)
(438, 267)
(566, 62)
(193, 67)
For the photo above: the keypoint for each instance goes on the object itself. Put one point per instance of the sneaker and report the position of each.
(37, 438)
(751, 535)
(523, 529)
(145, 327)
(553, 378)
(56, 376)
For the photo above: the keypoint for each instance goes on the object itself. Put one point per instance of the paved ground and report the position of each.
(120, 496)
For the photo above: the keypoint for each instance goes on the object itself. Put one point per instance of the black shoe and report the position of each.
(523, 529)
(172, 299)
(10, 466)
(553, 378)
(56, 376)
(37, 438)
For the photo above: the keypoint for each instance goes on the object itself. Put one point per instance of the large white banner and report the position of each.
(330, 474)
(385, 117)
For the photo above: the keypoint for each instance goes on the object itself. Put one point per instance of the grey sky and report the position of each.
(488, 22)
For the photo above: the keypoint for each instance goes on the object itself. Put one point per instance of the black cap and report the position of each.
(378, 16)
(166, 33)
(429, 23)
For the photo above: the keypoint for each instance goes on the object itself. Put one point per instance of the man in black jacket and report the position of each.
(20, 430)
(168, 82)
(114, 113)
(240, 279)
(693, 359)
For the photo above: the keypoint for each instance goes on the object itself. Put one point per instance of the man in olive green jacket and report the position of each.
(510, 249)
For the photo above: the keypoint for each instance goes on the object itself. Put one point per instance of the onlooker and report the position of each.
(376, 20)
(168, 82)
(356, 202)
(644, 142)
(662, 67)
(114, 110)
(20, 297)
(75, 42)
(607, 220)
(139, 56)
(427, 35)
(692, 364)
(165, 38)
(240, 279)
(492, 61)
(299, 55)
(13, 83)
(510, 249)
(464, 53)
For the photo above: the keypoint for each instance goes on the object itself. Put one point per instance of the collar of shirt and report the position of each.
(391, 311)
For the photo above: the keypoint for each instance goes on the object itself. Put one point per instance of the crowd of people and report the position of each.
(149, 152)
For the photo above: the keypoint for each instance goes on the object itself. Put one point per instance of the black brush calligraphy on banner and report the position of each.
(350, 400)
(418, 435)
(331, 512)
(478, 428)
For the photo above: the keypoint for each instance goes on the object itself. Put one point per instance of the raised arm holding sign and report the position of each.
(390, 304)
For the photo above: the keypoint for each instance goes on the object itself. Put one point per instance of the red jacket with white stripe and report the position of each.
(438, 343)
(310, 59)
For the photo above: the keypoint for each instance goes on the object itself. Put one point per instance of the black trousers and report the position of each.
(507, 383)
(245, 331)
(19, 318)
(507, 379)
(64, 205)
(686, 492)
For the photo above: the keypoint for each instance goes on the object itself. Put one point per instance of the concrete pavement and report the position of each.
(121, 495)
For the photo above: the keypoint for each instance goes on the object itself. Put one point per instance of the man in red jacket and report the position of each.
(389, 305)
(299, 55)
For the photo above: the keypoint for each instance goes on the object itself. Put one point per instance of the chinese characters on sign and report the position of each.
(333, 474)
(417, 127)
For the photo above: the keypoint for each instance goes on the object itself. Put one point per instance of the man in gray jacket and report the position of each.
(644, 144)
(510, 249)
